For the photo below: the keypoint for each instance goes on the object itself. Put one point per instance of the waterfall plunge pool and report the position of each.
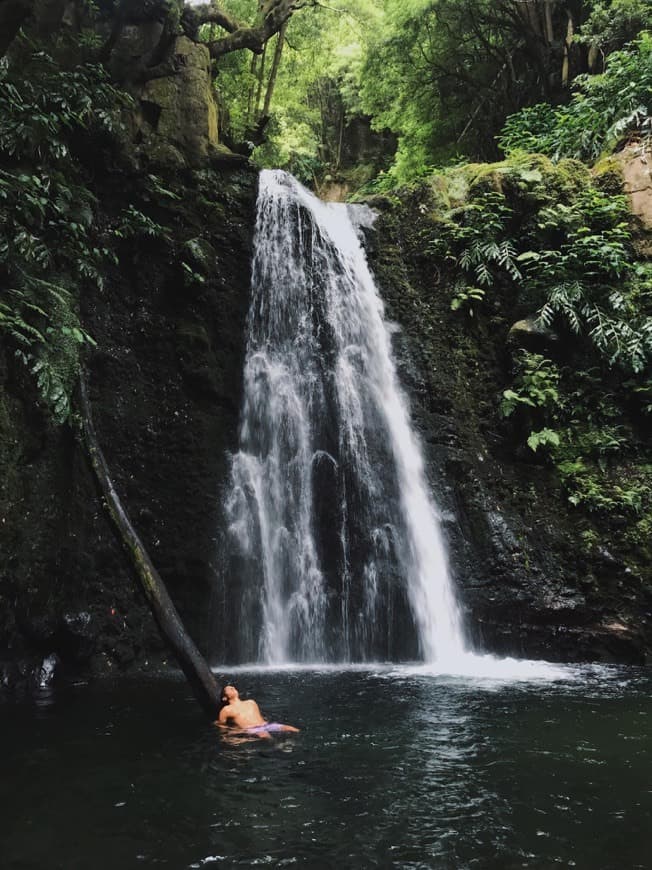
(394, 767)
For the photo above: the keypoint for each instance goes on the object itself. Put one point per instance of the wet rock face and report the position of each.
(526, 583)
(165, 387)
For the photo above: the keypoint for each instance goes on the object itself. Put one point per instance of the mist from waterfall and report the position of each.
(336, 553)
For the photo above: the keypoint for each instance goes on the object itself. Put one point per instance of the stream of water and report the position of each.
(393, 768)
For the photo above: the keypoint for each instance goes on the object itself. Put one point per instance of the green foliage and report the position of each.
(466, 298)
(605, 108)
(133, 224)
(399, 62)
(535, 385)
(47, 246)
(442, 75)
(601, 460)
(613, 23)
(543, 438)
(571, 260)
(317, 87)
(598, 492)
(476, 237)
(568, 256)
(43, 105)
(584, 433)
(481, 256)
(589, 281)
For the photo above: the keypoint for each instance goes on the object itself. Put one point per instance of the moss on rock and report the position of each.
(608, 174)
(525, 178)
(185, 114)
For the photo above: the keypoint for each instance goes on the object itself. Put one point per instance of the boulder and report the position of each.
(179, 111)
(175, 118)
(531, 335)
(636, 167)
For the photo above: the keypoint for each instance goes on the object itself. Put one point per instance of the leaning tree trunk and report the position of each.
(192, 663)
(252, 89)
(259, 89)
(280, 39)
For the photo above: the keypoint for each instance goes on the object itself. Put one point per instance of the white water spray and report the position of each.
(335, 534)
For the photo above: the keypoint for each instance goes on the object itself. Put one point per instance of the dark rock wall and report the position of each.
(165, 385)
(527, 584)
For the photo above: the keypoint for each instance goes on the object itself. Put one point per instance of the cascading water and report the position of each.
(336, 551)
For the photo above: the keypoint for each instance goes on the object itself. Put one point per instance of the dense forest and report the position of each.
(505, 145)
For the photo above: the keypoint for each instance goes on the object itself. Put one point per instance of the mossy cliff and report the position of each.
(128, 233)
(549, 537)
(168, 321)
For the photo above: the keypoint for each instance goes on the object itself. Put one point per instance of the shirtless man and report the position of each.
(245, 716)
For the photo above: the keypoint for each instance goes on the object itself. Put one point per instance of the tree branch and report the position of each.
(272, 16)
(212, 14)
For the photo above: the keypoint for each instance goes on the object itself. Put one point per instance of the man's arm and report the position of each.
(222, 719)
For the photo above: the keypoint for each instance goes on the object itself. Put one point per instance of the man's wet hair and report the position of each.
(223, 703)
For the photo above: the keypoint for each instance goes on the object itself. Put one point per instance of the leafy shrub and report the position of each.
(133, 224)
(613, 23)
(604, 109)
(47, 246)
(597, 491)
(575, 267)
(543, 438)
(476, 238)
(535, 384)
(534, 397)
(467, 297)
(589, 282)
(572, 262)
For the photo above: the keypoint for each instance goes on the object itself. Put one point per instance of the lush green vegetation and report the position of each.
(50, 249)
(529, 239)
(604, 109)
(443, 76)
(53, 249)
(313, 94)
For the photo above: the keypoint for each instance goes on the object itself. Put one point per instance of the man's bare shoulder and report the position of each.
(223, 715)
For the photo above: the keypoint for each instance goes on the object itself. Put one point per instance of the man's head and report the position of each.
(229, 694)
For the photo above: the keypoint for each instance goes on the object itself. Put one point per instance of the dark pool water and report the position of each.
(392, 769)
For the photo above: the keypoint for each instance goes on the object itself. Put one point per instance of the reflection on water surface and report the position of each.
(394, 768)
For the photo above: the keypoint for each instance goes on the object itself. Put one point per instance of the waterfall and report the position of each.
(335, 547)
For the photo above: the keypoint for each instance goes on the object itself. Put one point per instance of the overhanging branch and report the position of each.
(272, 16)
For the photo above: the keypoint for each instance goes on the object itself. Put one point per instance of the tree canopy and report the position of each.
(442, 75)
